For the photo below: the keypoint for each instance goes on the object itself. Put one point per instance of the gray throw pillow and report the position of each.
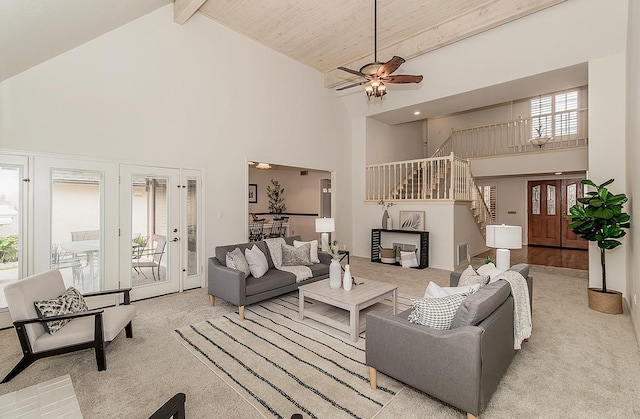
(437, 313)
(71, 301)
(296, 256)
(236, 260)
(470, 277)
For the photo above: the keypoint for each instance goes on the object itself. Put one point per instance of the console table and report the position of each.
(376, 240)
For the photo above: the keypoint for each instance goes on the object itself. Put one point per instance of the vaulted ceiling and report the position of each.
(327, 34)
(322, 34)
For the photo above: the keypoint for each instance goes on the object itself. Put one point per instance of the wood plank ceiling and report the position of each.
(326, 34)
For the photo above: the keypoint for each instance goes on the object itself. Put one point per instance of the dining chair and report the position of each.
(61, 259)
(85, 329)
(255, 230)
(152, 258)
(277, 229)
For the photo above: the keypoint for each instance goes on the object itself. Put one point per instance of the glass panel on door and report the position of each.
(149, 227)
(76, 215)
(192, 227)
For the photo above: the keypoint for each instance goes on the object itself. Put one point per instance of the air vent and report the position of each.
(304, 172)
(463, 253)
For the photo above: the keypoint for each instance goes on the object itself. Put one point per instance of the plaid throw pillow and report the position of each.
(436, 312)
(71, 301)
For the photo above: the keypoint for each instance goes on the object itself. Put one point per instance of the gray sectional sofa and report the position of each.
(231, 285)
(461, 366)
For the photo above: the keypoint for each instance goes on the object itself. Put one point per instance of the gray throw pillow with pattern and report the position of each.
(436, 312)
(71, 301)
(296, 256)
(236, 260)
(470, 277)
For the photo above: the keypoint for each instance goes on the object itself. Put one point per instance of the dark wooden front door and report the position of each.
(544, 220)
(548, 210)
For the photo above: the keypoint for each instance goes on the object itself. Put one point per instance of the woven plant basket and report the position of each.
(387, 253)
(609, 302)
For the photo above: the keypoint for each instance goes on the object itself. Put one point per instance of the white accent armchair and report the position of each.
(88, 329)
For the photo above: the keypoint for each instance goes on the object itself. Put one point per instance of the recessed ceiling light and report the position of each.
(558, 173)
(416, 113)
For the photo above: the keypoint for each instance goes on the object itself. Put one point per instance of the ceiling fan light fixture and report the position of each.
(375, 89)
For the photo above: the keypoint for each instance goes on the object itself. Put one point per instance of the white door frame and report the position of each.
(174, 238)
(196, 280)
(25, 262)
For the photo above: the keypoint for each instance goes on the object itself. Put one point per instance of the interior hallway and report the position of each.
(546, 256)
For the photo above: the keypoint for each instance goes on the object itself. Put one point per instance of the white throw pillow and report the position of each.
(408, 259)
(470, 277)
(314, 249)
(257, 261)
(436, 312)
(491, 270)
(436, 291)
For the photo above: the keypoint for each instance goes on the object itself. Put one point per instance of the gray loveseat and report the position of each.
(461, 366)
(231, 285)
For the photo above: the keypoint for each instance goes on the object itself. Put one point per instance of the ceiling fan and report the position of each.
(377, 73)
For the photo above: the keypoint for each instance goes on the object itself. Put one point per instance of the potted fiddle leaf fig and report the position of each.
(601, 219)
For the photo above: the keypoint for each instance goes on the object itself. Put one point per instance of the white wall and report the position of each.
(387, 143)
(510, 52)
(154, 92)
(466, 231)
(632, 244)
(607, 154)
(545, 161)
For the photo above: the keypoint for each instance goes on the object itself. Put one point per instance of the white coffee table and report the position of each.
(345, 310)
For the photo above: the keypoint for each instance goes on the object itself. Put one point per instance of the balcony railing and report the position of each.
(439, 178)
(513, 137)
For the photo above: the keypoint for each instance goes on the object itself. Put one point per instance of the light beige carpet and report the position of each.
(578, 362)
(282, 365)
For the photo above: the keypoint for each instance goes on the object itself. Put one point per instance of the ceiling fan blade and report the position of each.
(353, 85)
(404, 78)
(390, 66)
(348, 70)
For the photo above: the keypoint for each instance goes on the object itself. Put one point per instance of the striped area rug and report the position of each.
(282, 365)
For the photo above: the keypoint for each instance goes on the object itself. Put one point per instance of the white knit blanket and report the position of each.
(275, 248)
(521, 306)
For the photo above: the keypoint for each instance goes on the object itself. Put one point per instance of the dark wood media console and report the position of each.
(376, 240)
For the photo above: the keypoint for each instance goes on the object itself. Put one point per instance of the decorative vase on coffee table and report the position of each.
(347, 281)
(335, 273)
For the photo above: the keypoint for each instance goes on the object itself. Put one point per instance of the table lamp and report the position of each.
(503, 238)
(325, 226)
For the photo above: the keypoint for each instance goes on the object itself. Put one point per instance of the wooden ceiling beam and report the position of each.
(460, 27)
(184, 9)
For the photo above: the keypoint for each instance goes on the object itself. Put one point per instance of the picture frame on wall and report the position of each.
(253, 193)
(412, 220)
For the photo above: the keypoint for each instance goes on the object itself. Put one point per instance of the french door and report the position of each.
(150, 230)
(549, 202)
(14, 182)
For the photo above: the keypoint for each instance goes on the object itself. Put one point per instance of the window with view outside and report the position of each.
(554, 115)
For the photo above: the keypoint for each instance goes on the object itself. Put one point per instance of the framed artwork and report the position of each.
(412, 220)
(253, 193)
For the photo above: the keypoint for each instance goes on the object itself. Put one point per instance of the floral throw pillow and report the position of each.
(236, 260)
(296, 256)
(470, 277)
(71, 301)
